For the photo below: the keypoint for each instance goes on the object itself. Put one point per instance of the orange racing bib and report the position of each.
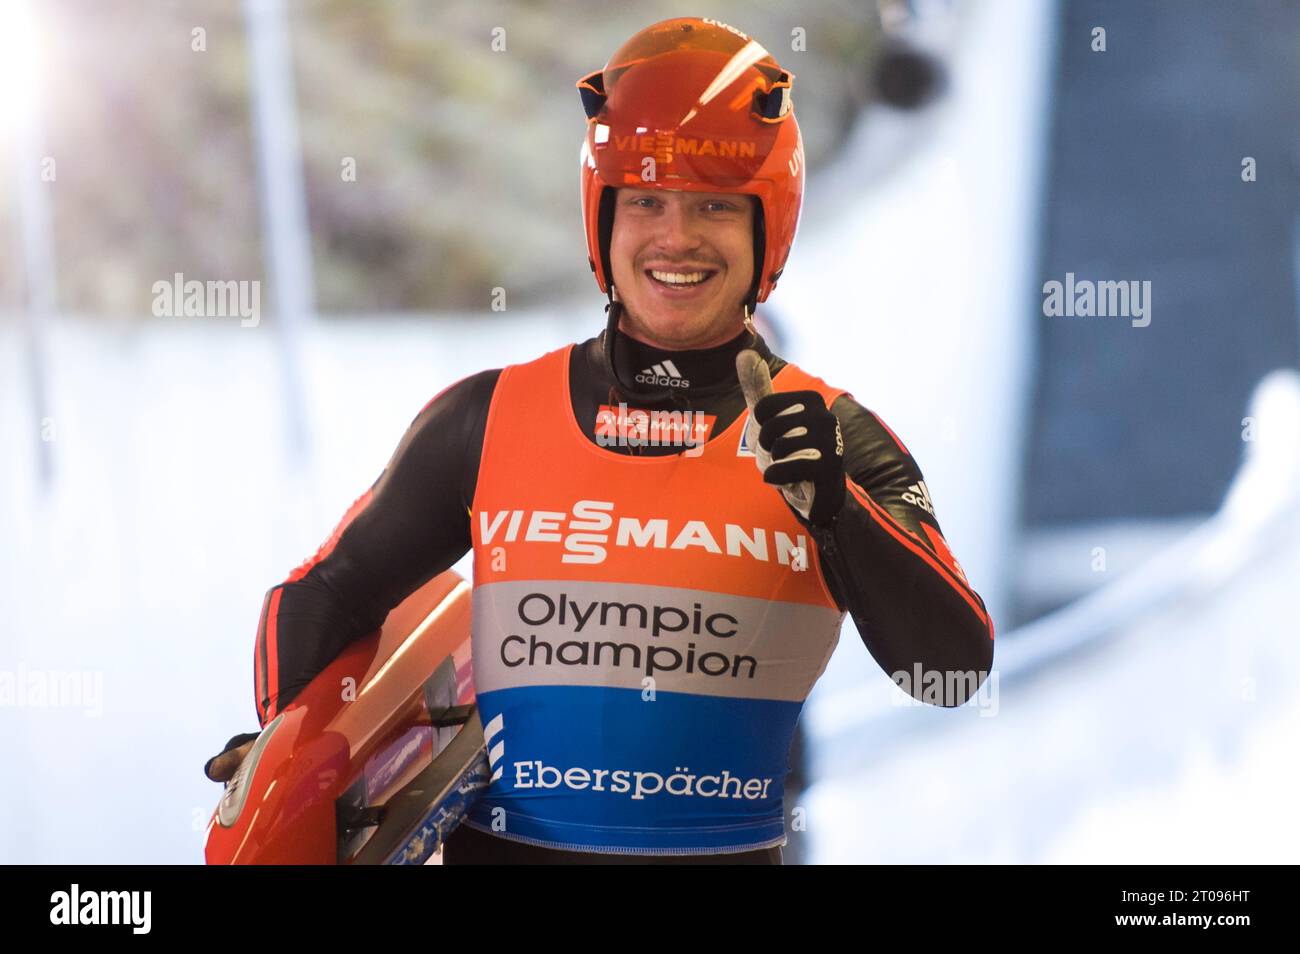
(645, 631)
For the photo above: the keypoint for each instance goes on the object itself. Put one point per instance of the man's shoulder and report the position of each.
(788, 376)
(584, 358)
(572, 350)
(478, 388)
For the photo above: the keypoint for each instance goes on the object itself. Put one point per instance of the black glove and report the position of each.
(801, 437)
(221, 767)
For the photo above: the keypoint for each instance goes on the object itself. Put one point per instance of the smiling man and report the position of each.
(649, 617)
(683, 265)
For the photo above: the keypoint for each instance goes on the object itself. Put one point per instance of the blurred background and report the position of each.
(1122, 489)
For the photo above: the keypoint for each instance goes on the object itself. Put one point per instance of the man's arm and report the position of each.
(891, 568)
(411, 525)
(853, 484)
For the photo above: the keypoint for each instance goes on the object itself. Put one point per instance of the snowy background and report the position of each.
(1153, 717)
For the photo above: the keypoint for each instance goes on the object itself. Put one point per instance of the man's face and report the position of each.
(673, 233)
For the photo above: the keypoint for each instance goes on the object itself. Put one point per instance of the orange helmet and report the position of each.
(695, 105)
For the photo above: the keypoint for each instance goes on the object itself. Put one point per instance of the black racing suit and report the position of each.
(884, 558)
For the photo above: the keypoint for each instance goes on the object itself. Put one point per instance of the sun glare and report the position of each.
(18, 58)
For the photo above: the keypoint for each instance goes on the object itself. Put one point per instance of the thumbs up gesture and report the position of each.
(797, 442)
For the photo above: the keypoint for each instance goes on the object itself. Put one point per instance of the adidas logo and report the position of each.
(918, 495)
(665, 375)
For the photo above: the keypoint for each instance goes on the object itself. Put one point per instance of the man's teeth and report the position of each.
(680, 278)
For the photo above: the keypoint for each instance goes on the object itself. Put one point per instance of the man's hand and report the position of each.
(797, 442)
(221, 768)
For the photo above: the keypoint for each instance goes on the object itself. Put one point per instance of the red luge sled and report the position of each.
(376, 760)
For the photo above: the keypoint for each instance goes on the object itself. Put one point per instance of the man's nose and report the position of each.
(679, 228)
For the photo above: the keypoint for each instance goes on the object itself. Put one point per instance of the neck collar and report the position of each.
(650, 374)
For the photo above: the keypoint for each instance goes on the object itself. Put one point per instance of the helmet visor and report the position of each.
(689, 108)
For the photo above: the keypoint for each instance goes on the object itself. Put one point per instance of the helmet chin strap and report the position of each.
(629, 389)
(614, 309)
